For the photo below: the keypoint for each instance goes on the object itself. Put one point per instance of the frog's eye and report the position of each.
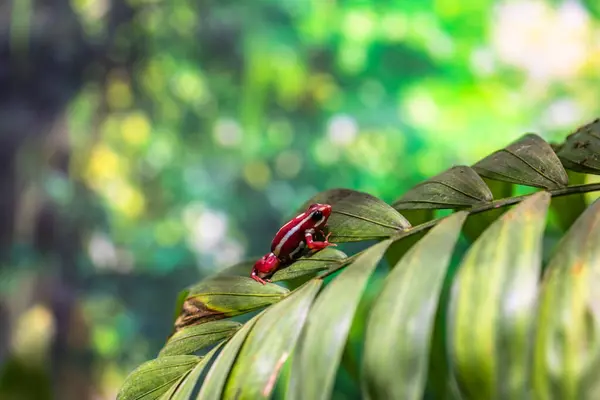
(317, 215)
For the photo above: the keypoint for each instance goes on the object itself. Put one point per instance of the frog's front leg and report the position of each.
(254, 275)
(311, 244)
(321, 231)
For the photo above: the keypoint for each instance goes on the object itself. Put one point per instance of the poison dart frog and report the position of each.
(292, 238)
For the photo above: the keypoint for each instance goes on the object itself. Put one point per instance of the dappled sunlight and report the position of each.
(548, 43)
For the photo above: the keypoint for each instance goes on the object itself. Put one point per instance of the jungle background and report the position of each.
(147, 143)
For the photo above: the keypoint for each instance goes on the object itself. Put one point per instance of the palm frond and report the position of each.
(497, 325)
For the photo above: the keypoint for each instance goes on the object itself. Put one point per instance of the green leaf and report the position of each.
(154, 378)
(185, 386)
(269, 344)
(440, 383)
(528, 161)
(401, 322)
(281, 388)
(568, 208)
(179, 303)
(213, 384)
(458, 187)
(310, 264)
(567, 343)
(581, 151)
(226, 296)
(477, 223)
(400, 247)
(358, 216)
(190, 339)
(418, 216)
(493, 303)
(319, 350)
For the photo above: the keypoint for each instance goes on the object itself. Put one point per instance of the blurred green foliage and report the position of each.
(205, 123)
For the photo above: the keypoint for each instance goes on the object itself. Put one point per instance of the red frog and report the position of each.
(292, 238)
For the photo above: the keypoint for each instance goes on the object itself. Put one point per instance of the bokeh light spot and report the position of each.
(359, 25)
(102, 251)
(281, 194)
(352, 57)
(207, 227)
(289, 76)
(325, 153)
(372, 151)
(371, 93)
(420, 108)
(562, 113)
(183, 19)
(168, 233)
(257, 174)
(32, 334)
(104, 164)
(160, 151)
(482, 61)
(230, 252)
(106, 340)
(136, 128)
(288, 164)
(323, 87)
(394, 26)
(448, 8)
(125, 198)
(118, 94)
(110, 128)
(527, 34)
(280, 133)
(227, 132)
(342, 129)
(91, 9)
(153, 76)
(190, 87)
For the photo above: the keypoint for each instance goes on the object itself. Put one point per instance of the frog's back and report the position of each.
(289, 240)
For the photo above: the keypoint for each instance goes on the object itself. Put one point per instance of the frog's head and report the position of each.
(319, 213)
